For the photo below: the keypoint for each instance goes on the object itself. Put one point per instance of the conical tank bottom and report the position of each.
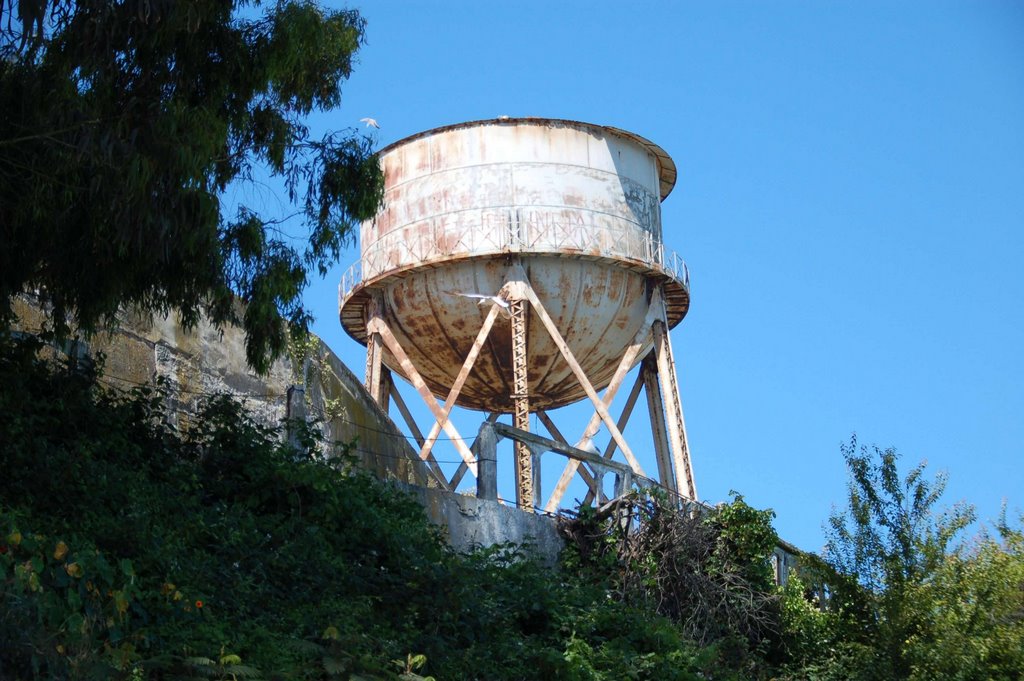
(597, 307)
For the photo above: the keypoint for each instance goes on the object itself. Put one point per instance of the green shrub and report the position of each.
(134, 550)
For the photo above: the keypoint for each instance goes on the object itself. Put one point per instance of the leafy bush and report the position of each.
(707, 570)
(132, 550)
(903, 597)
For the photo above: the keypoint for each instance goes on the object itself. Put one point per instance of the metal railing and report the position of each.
(351, 278)
(598, 466)
(406, 249)
(625, 479)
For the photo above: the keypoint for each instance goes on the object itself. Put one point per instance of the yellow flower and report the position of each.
(60, 551)
(73, 570)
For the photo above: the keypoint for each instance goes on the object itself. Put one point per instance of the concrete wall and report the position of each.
(351, 416)
(785, 560)
(206, 361)
(472, 523)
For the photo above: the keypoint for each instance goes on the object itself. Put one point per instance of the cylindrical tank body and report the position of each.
(577, 204)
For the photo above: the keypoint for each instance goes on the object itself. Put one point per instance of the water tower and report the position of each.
(517, 266)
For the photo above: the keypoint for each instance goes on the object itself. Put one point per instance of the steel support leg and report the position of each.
(378, 377)
(673, 412)
(659, 430)
(375, 381)
(521, 404)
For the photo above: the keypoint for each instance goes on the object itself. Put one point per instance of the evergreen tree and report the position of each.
(123, 122)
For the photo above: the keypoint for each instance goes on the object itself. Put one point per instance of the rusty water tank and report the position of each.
(577, 204)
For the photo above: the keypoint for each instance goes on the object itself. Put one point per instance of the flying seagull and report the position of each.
(483, 299)
(370, 122)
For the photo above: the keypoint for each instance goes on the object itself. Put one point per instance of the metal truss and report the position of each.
(657, 378)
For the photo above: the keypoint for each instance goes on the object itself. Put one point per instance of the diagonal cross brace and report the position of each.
(577, 370)
(409, 369)
(642, 338)
(460, 380)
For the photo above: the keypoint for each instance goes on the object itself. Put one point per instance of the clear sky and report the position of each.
(850, 203)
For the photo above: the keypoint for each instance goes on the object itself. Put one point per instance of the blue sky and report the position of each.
(850, 203)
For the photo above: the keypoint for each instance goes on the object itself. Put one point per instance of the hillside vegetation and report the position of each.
(131, 550)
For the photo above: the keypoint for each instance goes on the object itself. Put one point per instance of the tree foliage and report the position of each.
(122, 125)
(891, 535)
(972, 613)
(705, 569)
(901, 595)
(131, 550)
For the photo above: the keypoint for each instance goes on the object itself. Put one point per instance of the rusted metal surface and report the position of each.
(521, 397)
(599, 309)
(641, 341)
(666, 166)
(578, 204)
(460, 380)
(685, 484)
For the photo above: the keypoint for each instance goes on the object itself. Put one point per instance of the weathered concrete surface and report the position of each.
(785, 559)
(472, 523)
(353, 417)
(206, 361)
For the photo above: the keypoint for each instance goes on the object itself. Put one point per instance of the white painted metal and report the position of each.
(577, 204)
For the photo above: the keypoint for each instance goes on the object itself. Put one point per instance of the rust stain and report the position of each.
(551, 194)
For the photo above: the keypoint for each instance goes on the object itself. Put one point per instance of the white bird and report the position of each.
(370, 122)
(483, 298)
(587, 445)
(486, 301)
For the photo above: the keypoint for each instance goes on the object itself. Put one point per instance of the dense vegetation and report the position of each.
(131, 550)
(904, 595)
(137, 138)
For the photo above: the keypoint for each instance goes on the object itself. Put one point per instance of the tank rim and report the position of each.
(352, 306)
(667, 172)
